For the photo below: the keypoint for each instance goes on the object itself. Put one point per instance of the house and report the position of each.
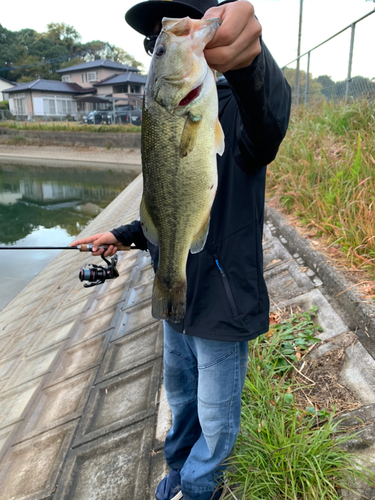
(46, 98)
(5, 84)
(84, 87)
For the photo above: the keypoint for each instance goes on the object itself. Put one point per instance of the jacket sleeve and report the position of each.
(263, 98)
(131, 233)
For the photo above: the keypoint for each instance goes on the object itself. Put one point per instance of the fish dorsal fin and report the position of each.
(219, 138)
(200, 238)
(189, 135)
(148, 226)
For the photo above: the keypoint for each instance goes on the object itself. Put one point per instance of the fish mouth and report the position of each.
(191, 96)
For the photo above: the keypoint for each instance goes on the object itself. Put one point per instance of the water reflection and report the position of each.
(47, 207)
(68, 198)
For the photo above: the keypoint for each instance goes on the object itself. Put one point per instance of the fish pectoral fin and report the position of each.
(189, 135)
(200, 238)
(219, 138)
(148, 226)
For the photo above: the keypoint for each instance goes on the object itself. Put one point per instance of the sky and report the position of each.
(279, 20)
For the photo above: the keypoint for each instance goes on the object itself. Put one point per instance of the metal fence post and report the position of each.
(307, 77)
(335, 90)
(348, 80)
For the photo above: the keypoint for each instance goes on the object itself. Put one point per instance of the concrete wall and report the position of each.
(126, 140)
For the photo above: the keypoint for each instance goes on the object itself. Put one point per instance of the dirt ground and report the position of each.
(320, 385)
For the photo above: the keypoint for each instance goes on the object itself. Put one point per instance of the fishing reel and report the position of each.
(97, 275)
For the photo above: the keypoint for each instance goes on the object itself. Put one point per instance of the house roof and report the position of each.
(122, 78)
(51, 86)
(8, 81)
(99, 63)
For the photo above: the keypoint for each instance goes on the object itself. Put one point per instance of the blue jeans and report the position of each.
(203, 382)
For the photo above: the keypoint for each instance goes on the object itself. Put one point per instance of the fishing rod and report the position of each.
(81, 248)
(94, 274)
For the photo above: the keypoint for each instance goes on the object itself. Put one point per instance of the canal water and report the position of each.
(47, 207)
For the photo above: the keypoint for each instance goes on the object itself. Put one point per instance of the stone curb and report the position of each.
(360, 315)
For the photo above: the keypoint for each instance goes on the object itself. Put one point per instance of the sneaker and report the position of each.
(169, 488)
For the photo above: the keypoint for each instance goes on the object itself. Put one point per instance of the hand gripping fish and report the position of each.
(181, 135)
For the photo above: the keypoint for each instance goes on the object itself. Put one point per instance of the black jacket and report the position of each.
(227, 297)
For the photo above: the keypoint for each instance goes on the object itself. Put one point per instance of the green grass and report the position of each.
(324, 174)
(285, 451)
(71, 127)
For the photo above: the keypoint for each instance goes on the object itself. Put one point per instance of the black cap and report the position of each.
(144, 16)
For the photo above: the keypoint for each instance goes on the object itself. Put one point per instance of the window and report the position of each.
(20, 104)
(92, 77)
(67, 78)
(83, 79)
(60, 106)
(135, 89)
(66, 106)
(49, 106)
(120, 89)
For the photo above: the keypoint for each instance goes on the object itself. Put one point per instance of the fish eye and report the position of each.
(160, 50)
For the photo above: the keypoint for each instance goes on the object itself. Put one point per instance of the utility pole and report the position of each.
(296, 87)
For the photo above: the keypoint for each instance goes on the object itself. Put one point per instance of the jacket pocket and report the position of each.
(227, 288)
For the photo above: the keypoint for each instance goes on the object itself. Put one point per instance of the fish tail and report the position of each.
(168, 303)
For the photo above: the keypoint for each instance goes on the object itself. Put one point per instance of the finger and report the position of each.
(82, 241)
(224, 59)
(238, 54)
(111, 250)
(79, 242)
(95, 247)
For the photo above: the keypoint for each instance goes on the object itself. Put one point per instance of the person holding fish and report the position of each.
(205, 148)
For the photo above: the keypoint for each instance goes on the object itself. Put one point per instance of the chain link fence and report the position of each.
(340, 68)
(96, 117)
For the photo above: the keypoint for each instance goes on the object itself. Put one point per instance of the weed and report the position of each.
(325, 173)
(17, 140)
(284, 451)
(60, 127)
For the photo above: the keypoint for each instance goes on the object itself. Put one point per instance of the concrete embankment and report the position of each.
(103, 140)
(70, 156)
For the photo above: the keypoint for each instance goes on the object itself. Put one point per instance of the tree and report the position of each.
(8, 50)
(64, 34)
(103, 50)
(328, 86)
(315, 88)
(39, 55)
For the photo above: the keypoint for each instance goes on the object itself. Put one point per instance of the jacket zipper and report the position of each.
(227, 289)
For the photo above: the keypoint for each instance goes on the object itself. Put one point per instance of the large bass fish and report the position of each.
(181, 135)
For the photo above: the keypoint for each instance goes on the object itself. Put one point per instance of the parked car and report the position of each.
(136, 117)
(129, 116)
(98, 117)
